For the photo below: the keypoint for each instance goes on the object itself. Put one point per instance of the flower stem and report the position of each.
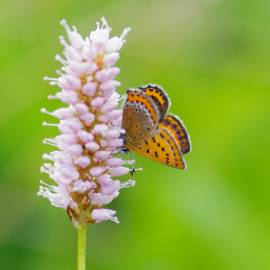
(81, 249)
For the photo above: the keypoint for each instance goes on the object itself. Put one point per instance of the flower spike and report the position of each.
(84, 164)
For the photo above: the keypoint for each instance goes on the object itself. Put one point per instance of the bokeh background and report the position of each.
(212, 57)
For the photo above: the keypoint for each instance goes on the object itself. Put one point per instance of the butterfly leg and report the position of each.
(132, 170)
(126, 151)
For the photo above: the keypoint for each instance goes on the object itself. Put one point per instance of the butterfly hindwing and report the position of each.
(178, 131)
(162, 148)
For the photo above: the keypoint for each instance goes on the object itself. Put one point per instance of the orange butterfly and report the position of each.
(150, 131)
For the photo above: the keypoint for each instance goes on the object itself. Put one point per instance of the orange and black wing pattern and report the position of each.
(162, 147)
(157, 94)
(150, 131)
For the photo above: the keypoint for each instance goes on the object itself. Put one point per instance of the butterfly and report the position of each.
(150, 131)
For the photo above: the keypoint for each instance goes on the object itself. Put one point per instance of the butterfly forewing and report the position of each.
(159, 97)
(140, 117)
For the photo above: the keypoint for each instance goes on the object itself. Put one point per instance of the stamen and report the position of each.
(45, 124)
(47, 186)
(59, 72)
(60, 59)
(49, 141)
(63, 42)
(127, 184)
(53, 97)
(47, 157)
(104, 23)
(46, 78)
(64, 23)
(47, 168)
(44, 110)
(74, 28)
(124, 33)
(114, 219)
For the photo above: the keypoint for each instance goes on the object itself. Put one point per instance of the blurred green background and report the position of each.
(212, 57)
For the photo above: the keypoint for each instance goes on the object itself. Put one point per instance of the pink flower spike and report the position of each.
(84, 165)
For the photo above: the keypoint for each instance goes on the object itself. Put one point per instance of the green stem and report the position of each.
(81, 247)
